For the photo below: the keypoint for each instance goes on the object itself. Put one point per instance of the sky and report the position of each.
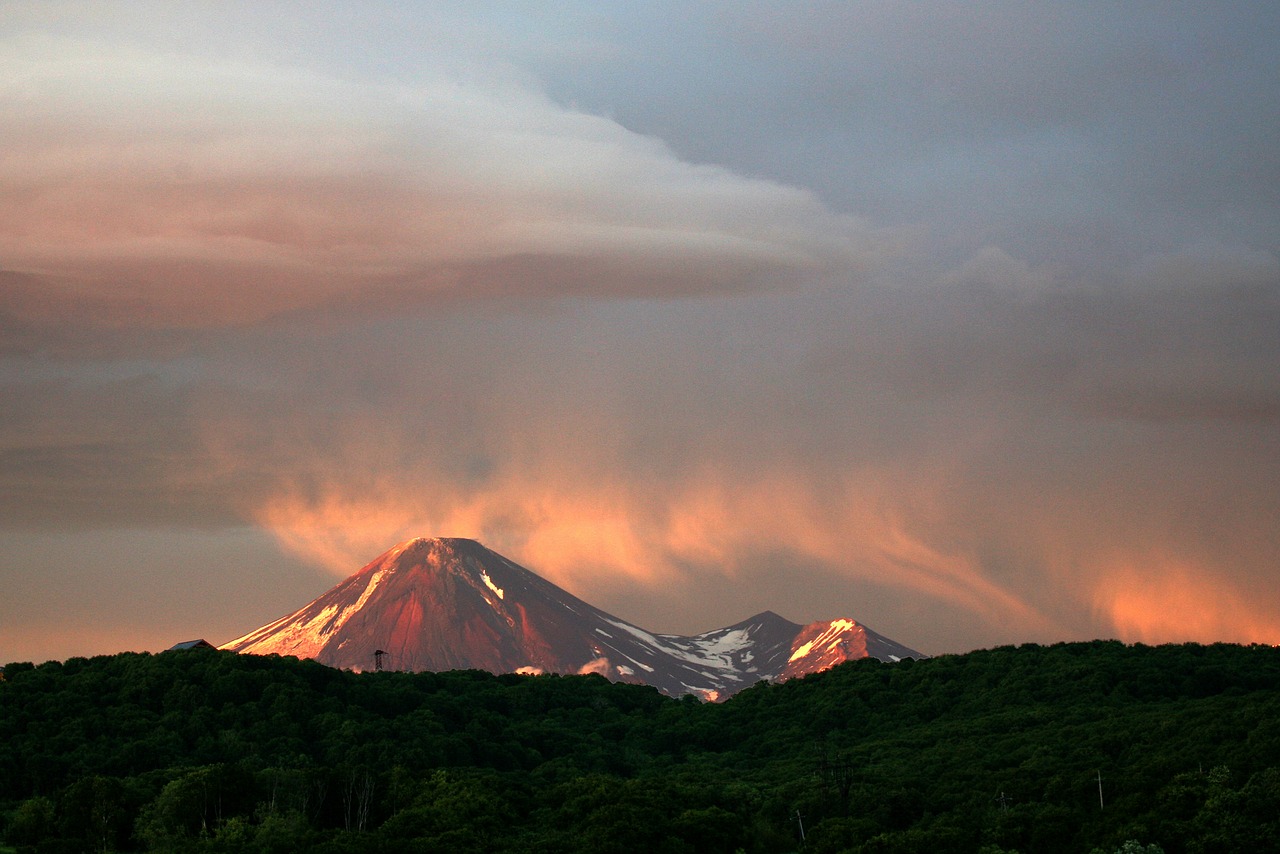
(961, 320)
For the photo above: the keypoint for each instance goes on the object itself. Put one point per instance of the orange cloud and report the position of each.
(578, 531)
(1165, 600)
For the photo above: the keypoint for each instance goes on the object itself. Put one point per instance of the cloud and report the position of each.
(993, 268)
(580, 531)
(936, 457)
(1157, 598)
(691, 480)
(606, 542)
(148, 188)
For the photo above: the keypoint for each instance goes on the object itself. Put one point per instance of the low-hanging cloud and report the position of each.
(145, 188)
(994, 498)
(600, 528)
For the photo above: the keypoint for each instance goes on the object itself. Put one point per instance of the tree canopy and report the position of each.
(1070, 747)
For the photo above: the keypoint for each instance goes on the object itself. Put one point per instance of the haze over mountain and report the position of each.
(445, 604)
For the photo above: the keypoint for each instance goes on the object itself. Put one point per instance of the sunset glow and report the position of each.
(589, 532)
(1165, 601)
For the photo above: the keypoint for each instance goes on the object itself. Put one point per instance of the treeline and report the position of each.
(1069, 747)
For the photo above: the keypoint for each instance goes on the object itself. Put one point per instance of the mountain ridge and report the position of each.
(451, 603)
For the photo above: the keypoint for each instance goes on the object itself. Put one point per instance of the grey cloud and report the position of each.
(1086, 135)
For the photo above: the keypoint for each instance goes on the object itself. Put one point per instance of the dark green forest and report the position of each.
(1072, 747)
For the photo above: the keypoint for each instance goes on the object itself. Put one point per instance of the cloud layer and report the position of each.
(167, 189)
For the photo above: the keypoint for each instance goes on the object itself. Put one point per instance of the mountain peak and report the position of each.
(446, 603)
(448, 544)
(766, 617)
(436, 551)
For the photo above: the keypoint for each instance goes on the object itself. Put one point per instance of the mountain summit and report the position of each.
(446, 604)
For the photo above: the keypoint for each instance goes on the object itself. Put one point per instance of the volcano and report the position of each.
(449, 604)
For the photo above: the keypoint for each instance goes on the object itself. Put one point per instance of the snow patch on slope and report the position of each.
(829, 638)
(374, 579)
(640, 633)
(718, 657)
(489, 583)
(306, 639)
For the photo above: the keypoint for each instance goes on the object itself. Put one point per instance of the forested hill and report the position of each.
(1063, 748)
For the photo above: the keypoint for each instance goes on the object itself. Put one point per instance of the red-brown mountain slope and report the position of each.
(444, 604)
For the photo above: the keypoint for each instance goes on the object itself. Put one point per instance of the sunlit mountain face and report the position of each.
(446, 604)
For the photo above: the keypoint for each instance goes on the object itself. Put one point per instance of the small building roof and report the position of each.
(198, 643)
